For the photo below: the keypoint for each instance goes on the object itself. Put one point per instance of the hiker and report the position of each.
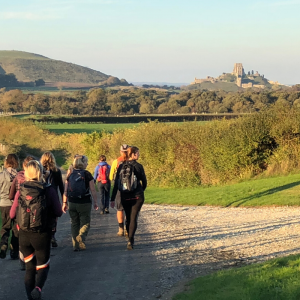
(15, 186)
(112, 175)
(52, 175)
(101, 177)
(38, 205)
(131, 182)
(79, 187)
(11, 163)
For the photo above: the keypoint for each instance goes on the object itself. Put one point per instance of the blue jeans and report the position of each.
(104, 190)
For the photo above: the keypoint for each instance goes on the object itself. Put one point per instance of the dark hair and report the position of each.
(27, 160)
(12, 161)
(132, 150)
(102, 157)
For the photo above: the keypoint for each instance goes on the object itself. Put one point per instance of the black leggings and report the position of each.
(132, 208)
(36, 250)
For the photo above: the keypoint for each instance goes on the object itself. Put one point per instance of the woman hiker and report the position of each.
(131, 182)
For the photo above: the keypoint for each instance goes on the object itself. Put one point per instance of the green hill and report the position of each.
(30, 67)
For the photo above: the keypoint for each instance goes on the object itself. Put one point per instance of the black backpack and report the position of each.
(32, 211)
(76, 185)
(127, 179)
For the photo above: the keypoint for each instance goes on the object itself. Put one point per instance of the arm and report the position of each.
(52, 197)
(144, 179)
(94, 194)
(60, 183)
(13, 210)
(65, 203)
(115, 189)
(96, 172)
(13, 189)
(113, 170)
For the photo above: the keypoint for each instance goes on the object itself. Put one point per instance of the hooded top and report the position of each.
(6, 178)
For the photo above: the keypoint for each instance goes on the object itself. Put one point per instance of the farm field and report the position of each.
(272, 191)
(61, 128)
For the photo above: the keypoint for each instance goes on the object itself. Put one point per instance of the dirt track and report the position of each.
(173, 244)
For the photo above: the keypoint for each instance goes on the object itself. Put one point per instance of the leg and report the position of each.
(14, 242)
(75, 224)
(5, 230)
(102, 196)
(84, 210)
(29, 257)
(120, 214)
(127, 204)
(107, 196)
(53, 239)
(41, 242)
(135, 209)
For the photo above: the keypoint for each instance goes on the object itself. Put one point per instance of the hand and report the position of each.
(96, 206)
(112, 204)
(64, 207)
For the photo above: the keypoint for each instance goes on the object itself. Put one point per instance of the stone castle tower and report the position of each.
(238, 70)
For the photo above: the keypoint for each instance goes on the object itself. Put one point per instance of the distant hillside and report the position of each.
(207, 85)
(30, 67)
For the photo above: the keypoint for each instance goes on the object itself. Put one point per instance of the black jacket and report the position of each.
(141, 182)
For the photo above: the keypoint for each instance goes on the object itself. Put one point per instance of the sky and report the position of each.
(159, 40)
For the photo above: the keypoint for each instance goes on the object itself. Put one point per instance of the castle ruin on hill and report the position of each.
(238, 76)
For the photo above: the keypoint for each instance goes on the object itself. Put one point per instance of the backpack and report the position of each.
(127, 179)
(103, 174)
(32, 211)
(76, 185)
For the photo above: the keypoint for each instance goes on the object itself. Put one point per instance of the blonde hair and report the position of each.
(79, 161)
(48, 161)
(34, 171)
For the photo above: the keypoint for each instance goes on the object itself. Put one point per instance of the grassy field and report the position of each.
(275, 191)
(277, 279)
(84, 127)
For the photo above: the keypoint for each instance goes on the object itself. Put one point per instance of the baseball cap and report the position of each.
(124, 148)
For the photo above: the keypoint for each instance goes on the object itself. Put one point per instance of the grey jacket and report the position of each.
(6, 178)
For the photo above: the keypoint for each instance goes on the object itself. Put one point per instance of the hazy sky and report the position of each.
(159, 40)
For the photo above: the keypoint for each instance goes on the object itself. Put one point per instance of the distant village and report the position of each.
(240, 78)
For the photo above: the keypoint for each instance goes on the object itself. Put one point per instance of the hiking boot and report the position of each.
(3, 251)
(129, 246)
(54, 242)
(22, 265)
(36, 293)
(106, 210)
(125, 232)
(80, 242)
(120, 232)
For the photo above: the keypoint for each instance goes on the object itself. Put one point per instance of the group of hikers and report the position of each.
(30, 205)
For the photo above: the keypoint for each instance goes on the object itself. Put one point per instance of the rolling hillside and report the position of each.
(30, 67)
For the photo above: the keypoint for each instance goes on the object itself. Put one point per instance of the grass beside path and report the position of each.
(275, 191)
(277, 279)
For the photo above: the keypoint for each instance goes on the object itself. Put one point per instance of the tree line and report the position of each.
(134, 100)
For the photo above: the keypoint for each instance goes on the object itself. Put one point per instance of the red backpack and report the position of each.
(103, 174)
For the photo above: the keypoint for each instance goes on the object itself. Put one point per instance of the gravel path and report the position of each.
(173, 245)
